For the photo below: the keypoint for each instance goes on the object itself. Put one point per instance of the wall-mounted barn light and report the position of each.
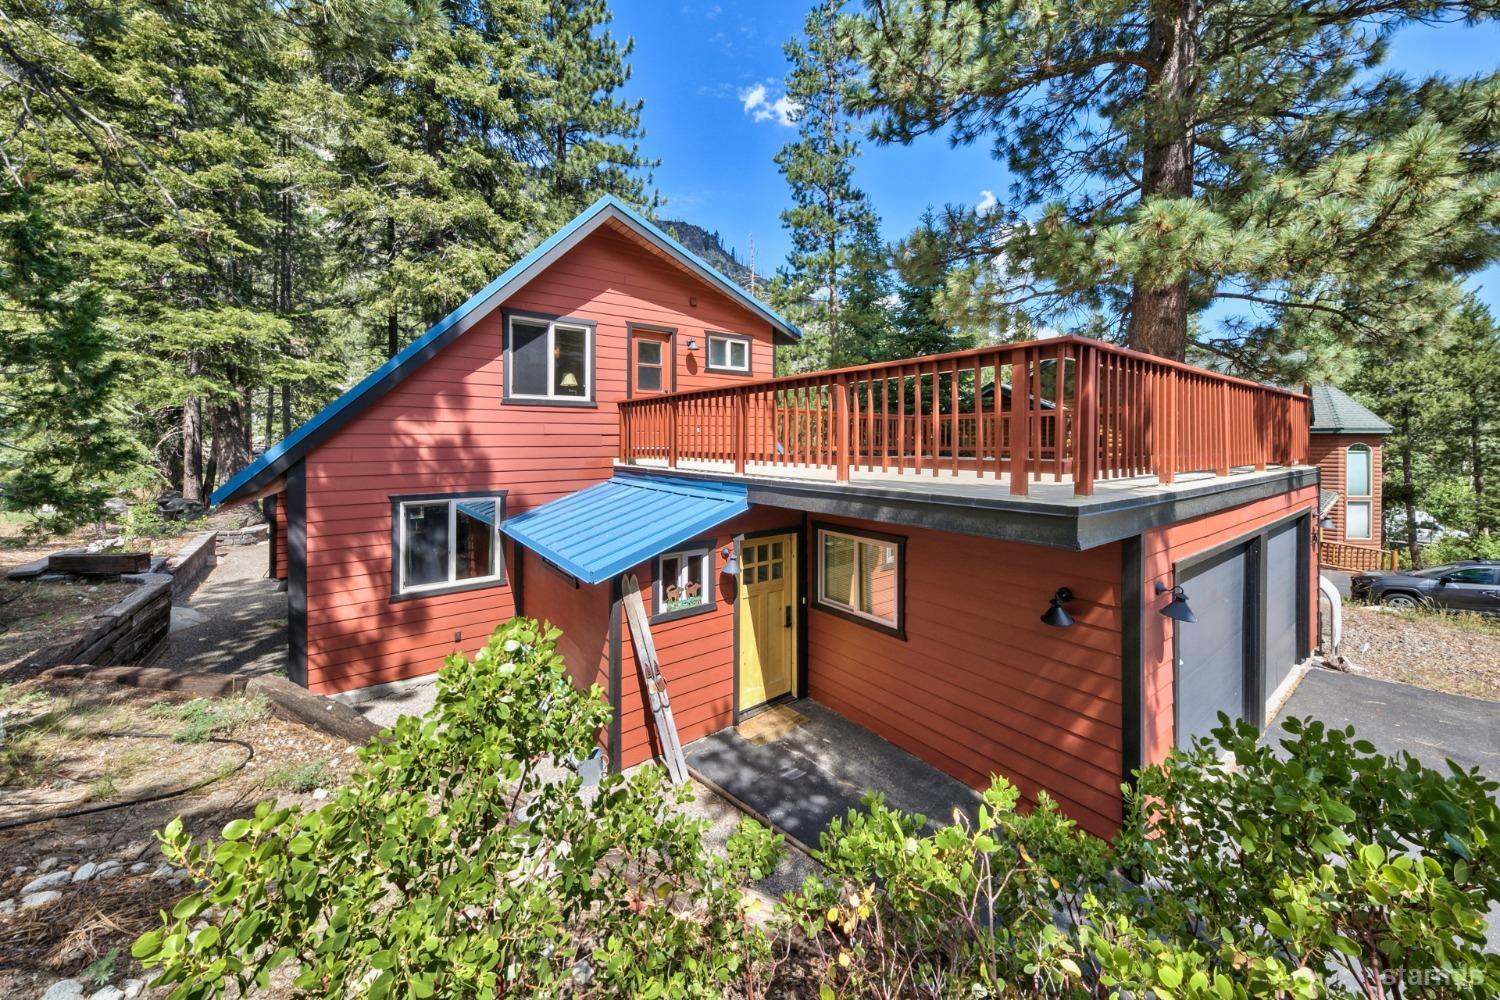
(1327, 523)
(692, 344)
(1057, 616)
(731, 564)
(1177, 608)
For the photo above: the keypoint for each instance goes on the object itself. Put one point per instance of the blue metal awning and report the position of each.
(604, 530)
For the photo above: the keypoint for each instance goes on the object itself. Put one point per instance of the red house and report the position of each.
(883, 540)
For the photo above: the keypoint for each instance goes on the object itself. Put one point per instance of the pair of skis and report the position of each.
(656, 685)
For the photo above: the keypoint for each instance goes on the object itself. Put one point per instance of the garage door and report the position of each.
(1285, 598)
(1211, 651)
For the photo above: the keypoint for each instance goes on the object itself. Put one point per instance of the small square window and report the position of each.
(728, 353)
(684, 583)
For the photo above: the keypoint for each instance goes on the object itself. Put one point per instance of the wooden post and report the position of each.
(672, 434)
(841, 431)
(1226, 431)
(739, 431)
(1020, 424)
(1086, 423)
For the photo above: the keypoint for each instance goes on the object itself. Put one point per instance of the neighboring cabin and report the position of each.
(1347, 438)
(883, 540)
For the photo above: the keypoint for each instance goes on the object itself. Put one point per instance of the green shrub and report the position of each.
(1299, 868)
(453, 864)
(1451, 549)
(303, 777)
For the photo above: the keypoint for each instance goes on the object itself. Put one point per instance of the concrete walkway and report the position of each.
(234, 622)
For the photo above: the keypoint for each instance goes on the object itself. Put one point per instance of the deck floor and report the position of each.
(801, 765)
(967, 484)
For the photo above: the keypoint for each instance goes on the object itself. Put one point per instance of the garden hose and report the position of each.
(154, 797)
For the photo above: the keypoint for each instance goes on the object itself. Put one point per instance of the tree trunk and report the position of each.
(231, 422)
(1159, 314)
(392, 336)
(192, 448)
(286, 410)
(1409, 489)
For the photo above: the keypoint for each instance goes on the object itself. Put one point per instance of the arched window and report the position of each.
(1359, 473)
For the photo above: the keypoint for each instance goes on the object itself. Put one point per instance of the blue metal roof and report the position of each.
(280, 456)
(604, 530)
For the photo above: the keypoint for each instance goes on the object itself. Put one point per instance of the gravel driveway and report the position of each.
(1454, 654)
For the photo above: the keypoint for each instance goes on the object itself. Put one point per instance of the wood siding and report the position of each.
(1328, 454)
(696, 652)
(1164, 547)
(278, 571)
(444, 429)
(980, 686)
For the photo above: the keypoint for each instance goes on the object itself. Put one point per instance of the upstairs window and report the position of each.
(446, 542)
(549, 360)
(729, 352)
(1357, 471)
(1358, 475)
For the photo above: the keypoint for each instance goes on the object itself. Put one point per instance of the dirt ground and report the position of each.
(1455, 654)
(34, 614)
(55, 758)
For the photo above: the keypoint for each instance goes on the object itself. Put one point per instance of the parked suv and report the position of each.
(1470, 585)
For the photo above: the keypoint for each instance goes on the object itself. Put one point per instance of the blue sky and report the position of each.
(695, 63)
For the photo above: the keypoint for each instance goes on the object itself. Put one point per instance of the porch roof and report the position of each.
(608, 528)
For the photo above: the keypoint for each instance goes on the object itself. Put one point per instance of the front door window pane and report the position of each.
(426, 551)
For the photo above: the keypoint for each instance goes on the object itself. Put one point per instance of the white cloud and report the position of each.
(755, 100)
(987, 201)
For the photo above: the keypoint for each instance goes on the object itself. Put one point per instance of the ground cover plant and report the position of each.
(458, 861)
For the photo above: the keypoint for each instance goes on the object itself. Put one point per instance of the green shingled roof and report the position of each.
(1336, 412)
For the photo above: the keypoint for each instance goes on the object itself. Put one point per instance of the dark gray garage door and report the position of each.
(1211, 651)
(1285, 598)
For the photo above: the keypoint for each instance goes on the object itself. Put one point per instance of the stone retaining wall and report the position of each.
(132, 631)
(192, 563)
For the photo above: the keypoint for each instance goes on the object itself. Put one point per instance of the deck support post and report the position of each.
(741, 422)
(1086, 423)
(841, 431)
(672, 433)
(1020, 424)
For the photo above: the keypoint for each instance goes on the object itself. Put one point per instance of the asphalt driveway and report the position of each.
(1428, 725)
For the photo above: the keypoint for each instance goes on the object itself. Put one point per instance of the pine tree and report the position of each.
(1170, 156)
(1471, 442)
(835, 282)
(60, 431)
(587, 137)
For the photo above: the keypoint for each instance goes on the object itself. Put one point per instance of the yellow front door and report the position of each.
(767, 618)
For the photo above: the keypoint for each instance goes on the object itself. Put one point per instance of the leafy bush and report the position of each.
(1298, 869)
(457, 862)
(1452, 549)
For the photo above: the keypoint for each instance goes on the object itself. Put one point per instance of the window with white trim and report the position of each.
(1359, 472)
(447, 542)
(728, 353)
(684, 581)
(549, 360)
(859, 575)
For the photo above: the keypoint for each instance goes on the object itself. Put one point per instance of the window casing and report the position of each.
(859, 577)
(729, 352)
(444, 543)
(549, 360)
(1359, 472)
(684, 583)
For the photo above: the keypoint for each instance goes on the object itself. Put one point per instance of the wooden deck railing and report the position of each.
(1069, 407)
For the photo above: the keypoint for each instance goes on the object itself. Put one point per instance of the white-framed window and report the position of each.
(550, 360)
(684, 582)
(1357, 519)
(443, 542)
(728, 352)
(859, 576)
(1359, 475)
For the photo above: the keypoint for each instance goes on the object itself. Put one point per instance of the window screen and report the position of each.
(528, 358)
(425, 559)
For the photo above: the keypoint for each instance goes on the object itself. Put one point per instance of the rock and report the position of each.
(109, 869)
(109, 993)
(162, 871)
(139, 867)
(47, 881)
(47, 865)
(20, 870)
(40, 898)
(116, 505)
(63, 989)
(133, 988)
(85, 871)
(7, 906)
(320, 794)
